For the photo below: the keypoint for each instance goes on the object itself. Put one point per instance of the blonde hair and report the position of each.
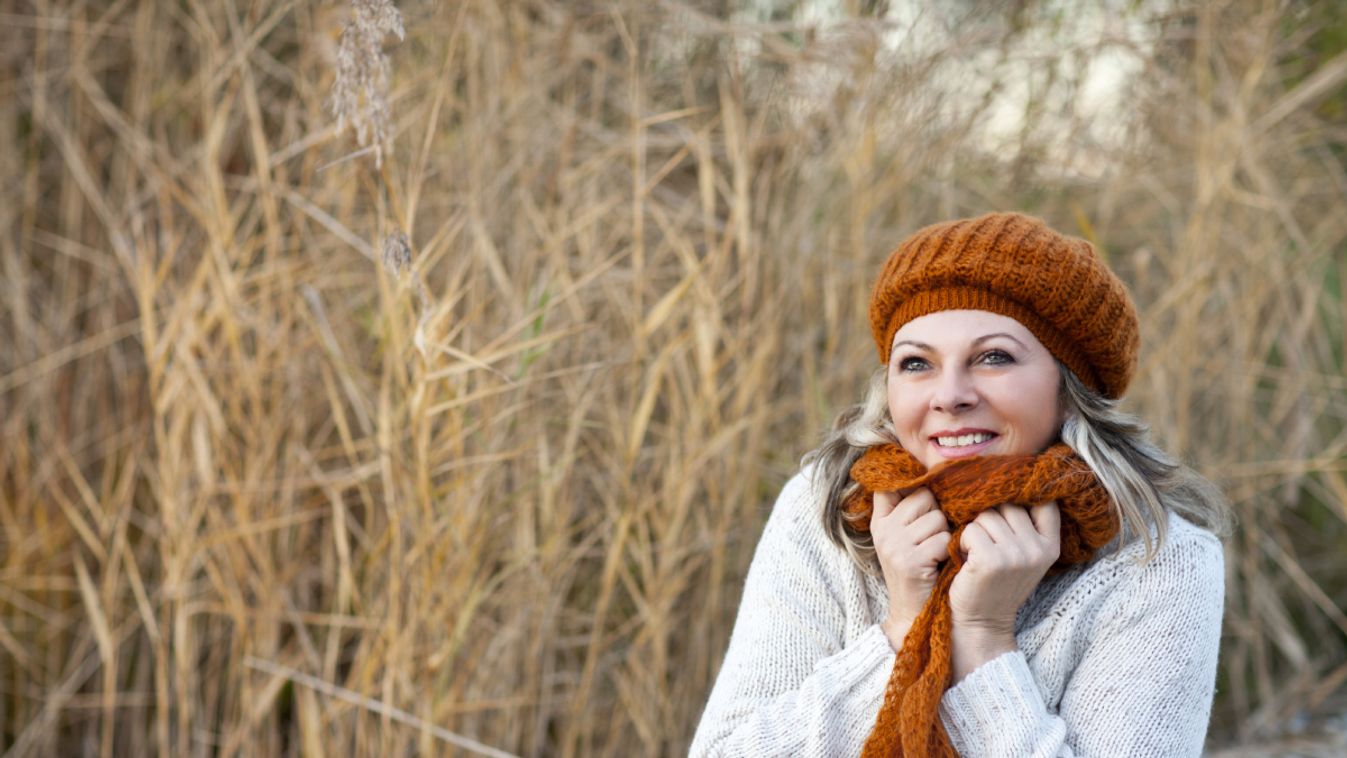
(1143, 480)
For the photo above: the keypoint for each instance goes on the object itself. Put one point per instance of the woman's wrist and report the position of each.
(972, 647)
(895, 628)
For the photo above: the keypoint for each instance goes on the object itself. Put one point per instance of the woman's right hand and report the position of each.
(911, 538)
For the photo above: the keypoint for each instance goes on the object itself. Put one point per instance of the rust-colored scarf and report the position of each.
(908, 724)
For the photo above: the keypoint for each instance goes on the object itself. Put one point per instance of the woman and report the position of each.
(985, 557)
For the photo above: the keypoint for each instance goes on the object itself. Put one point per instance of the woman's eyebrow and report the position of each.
(918, 345)
(986, 337)
(978, 341)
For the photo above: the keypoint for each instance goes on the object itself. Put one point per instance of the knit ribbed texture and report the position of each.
(1115, 657)
(907, 724)
(1017, 266)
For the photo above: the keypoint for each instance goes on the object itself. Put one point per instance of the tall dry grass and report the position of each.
(277, 480)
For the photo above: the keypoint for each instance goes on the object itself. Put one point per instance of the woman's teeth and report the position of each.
(964, 440)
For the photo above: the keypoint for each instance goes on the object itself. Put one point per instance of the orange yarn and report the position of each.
(1017, 266)
(908, 723)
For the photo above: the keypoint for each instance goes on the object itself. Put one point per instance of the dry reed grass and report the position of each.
(260, 494)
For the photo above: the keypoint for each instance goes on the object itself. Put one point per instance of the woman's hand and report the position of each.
(1007, 550)
(911, 538)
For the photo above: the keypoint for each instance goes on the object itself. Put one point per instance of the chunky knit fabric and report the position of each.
(907, 724)
(1115, 657)
(1017, 266)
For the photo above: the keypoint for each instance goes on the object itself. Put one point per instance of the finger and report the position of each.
(973, 538)
(1017, 518)
(1047, 518)
(883, 504)
(934, 548)
(929, 523)
(915, 505)
(994, 524)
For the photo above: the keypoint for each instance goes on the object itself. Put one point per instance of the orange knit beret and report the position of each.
(1017, 266)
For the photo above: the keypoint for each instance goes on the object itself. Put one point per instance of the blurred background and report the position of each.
(402, 380)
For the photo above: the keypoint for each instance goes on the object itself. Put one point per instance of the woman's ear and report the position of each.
(1063, 399)
(1063, 415)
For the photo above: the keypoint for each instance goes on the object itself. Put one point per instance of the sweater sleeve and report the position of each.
(788, 684)
(1143, 685)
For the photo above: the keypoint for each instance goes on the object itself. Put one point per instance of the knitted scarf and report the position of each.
(908, 723)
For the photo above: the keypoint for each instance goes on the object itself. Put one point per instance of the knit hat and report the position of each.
(1017, 266)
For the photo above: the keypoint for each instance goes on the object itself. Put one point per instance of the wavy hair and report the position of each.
(1143, 481)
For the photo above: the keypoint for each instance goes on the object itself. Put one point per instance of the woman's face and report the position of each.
(965, 383)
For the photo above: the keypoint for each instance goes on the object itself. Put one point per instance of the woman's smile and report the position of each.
(963, 443)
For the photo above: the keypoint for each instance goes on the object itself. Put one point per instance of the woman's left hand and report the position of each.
(1007, 550)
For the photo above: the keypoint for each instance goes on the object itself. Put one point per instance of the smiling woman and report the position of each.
(985, 557)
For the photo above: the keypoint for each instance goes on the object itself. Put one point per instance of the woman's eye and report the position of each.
(911, 364)
(997, 356)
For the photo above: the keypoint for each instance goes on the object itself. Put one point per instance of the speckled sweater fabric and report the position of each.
(1115, 658)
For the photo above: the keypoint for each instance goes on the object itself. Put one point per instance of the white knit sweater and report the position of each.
(1115, 659)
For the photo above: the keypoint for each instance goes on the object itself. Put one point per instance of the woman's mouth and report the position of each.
(962, 445)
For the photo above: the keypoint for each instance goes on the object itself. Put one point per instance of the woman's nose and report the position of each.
(955, 393)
